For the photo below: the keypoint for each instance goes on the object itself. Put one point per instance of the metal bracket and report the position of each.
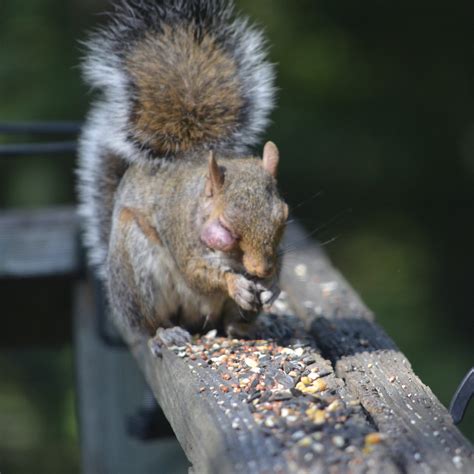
(43, 129)
(462, 397)
(147, 423)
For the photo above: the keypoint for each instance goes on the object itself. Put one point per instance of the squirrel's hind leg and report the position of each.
(238, 323)
(131, 284)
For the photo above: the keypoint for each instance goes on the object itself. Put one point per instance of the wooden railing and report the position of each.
(323, 389)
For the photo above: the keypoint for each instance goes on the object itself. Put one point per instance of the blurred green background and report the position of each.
(375, 112)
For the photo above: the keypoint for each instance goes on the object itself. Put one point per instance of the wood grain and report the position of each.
(387, 420)
(39, 243)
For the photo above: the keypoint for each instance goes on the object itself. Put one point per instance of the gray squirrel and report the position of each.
(181, 222)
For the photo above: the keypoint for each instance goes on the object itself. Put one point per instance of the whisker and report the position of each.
(329, 241)
(289, 255)
(305, 201)
(314, 231)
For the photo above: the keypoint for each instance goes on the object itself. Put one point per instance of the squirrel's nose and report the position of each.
(265, 272)
(258, 268)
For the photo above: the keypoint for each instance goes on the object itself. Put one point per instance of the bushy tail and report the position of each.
(182, 75)
(176, 77)
(99, 173)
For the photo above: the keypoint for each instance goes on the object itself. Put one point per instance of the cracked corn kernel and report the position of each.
(373, 438)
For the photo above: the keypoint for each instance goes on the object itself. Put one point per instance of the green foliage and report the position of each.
(37, 424)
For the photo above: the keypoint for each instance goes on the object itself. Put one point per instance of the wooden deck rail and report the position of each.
(323, 389)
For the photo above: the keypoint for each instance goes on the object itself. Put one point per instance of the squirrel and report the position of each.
(181, 222)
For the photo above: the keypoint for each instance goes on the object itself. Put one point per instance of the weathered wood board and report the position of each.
(324, 390)
(109, 390)
(419, 431)
(39, 243)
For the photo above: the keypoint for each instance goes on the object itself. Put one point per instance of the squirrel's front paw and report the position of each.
(243, 291)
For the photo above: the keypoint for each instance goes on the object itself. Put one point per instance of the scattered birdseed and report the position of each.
(338, 441)
(373, 438)
(251, 362)
(299, 351)
(292, 419)
(316, 415)
(291, 393)
(329, 287)
(324, 372)
(270, 422)
(317, 386)
(318, 448)
(457, 461)
(297, 435)
(318, 436)
(334, 406)
(211, 334)
(301, 270)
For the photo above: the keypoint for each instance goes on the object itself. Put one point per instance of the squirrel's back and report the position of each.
(176, 77)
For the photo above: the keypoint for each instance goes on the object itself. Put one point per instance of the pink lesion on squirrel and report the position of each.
(215, 236)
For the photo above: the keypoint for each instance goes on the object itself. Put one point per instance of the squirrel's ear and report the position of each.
(216, 176)
(271, 157)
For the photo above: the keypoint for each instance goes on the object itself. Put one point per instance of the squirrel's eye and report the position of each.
(217, 237)
(223, 222)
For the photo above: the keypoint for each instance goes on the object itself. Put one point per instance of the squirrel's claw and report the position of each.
(169, 337)
(268, 295)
